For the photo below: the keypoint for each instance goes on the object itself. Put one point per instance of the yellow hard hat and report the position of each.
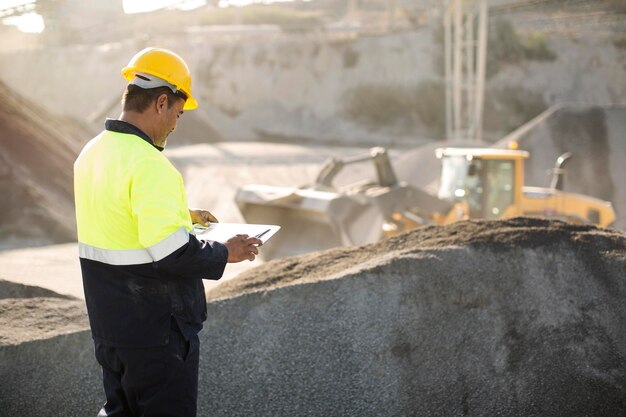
(165, 65)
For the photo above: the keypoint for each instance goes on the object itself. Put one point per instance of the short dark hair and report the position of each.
(138, 99)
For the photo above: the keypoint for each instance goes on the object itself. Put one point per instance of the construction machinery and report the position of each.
(490, 183)
(485, 183)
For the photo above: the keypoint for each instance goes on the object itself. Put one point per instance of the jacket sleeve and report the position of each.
(197, 259)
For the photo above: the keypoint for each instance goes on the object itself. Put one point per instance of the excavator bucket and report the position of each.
(310, 220)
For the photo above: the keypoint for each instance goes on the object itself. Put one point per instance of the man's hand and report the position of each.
(242, 247)
(203, 217)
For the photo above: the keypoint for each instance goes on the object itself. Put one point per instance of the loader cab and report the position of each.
(488, 180)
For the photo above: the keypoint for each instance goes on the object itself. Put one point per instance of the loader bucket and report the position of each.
(310, 220)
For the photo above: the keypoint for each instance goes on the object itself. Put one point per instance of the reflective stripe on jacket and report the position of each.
(140, 264)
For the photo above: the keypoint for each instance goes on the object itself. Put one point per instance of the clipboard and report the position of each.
(221, 232)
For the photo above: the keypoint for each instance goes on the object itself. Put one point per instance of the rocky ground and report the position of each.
(497, 236)
(516, 317)
(31, 313)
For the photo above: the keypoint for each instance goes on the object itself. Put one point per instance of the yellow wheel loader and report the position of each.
(474, 183)
(490, 183)
(324, 215)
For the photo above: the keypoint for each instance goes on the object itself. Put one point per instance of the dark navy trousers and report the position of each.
(149, 382)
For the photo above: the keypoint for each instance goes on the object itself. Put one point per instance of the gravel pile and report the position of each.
(517, 317)
(31, 313)
(522, 317)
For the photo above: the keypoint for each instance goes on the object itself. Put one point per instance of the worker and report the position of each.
(142, 266)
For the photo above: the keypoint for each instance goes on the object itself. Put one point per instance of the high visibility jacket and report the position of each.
(140, 263)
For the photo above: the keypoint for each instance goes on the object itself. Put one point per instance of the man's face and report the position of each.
(168, 117)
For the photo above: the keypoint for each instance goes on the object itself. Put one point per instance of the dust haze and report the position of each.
(424, 323)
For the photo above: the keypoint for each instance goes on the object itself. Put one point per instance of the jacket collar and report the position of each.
(121, 126)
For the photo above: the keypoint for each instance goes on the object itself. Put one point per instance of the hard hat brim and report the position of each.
(190, 104)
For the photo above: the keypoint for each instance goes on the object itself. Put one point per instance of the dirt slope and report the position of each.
(522, 317)
(519, 318)
(516, 233)
(30, 313)
(38, 152)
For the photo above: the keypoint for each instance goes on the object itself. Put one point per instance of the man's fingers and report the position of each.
(208, 218)
(252, 251)
(211, 218)
(250, 240)
(202, 216)
(242, 247)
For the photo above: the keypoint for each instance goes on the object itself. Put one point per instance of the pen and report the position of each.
(261, 234)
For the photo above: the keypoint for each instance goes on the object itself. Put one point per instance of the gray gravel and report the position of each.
(514, 318)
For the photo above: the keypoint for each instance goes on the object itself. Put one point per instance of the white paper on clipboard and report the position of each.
(221, 232)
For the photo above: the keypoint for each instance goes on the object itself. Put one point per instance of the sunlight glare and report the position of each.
(28, 23)
(143, 6)
(241, 3)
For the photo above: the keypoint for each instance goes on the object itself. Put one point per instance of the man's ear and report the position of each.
(161, 103)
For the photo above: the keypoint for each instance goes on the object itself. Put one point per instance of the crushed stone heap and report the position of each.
(515, 317)
(46, 354)
(521, 317)
(38, 152)
(30, 313)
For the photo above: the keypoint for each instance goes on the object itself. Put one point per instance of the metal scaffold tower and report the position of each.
(465, 31)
